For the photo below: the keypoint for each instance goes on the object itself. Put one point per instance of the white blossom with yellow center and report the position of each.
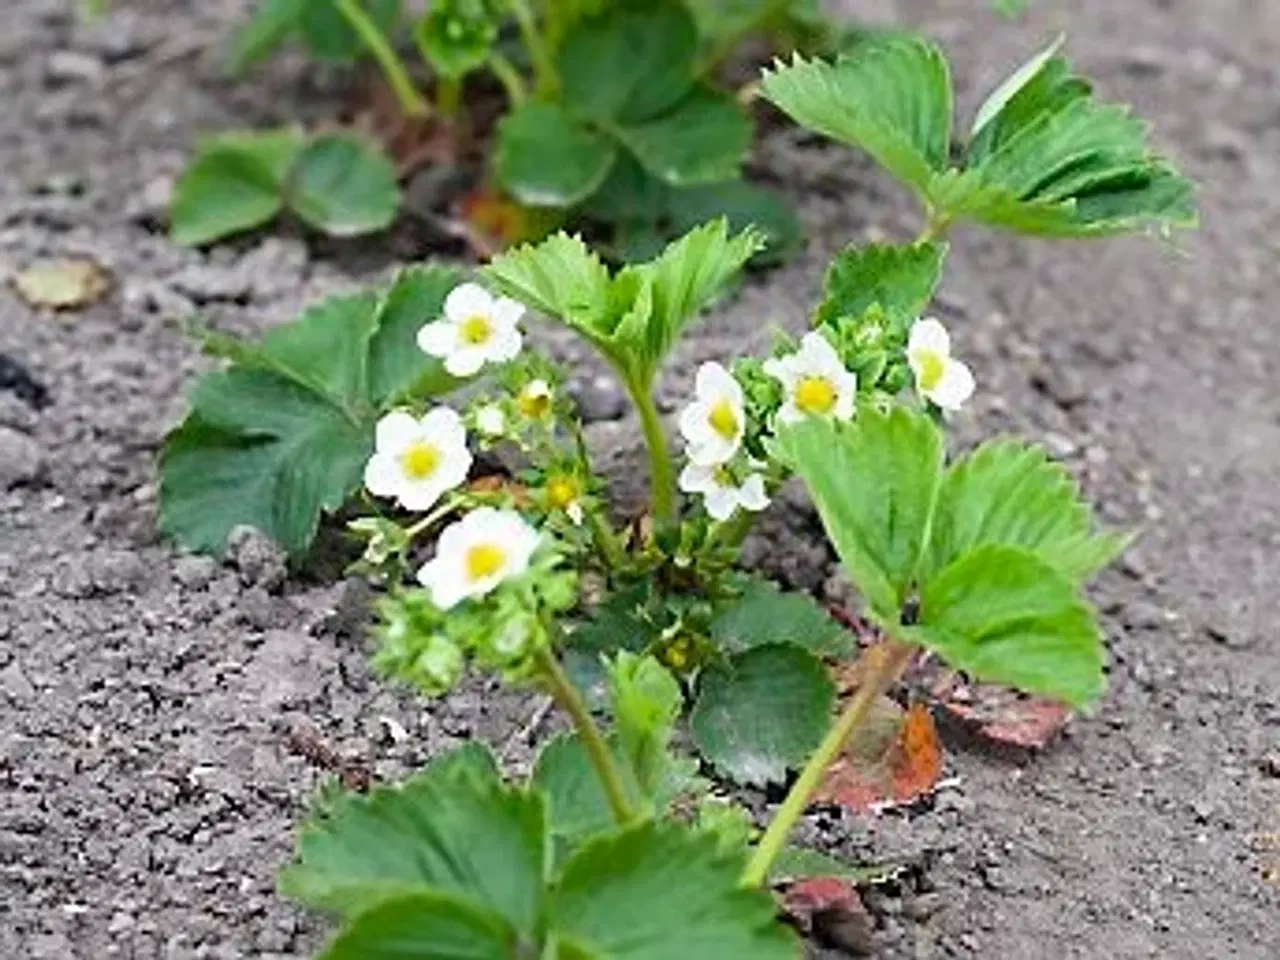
(940, 377)
(416, 461)
(713, 424)
(477, 328)
(534, 399)
(814, 381)
(476, 554)
(721, 493)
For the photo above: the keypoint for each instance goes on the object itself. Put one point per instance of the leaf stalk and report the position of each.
(412, 103)
(662, 472)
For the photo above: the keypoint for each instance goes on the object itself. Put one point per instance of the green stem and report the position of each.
(878, 680)
(411, 101)
(936, 226)
(548, 81)
(602, 759)
(509, 77)
(662, 472)
(449, 97)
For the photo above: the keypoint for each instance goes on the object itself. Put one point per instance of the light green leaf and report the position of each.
(344, 186)
(457, 36)
(271, 24)
(1003, 615)
(1014, 85)
(451, 835)
(703, 139)
(425, 926)
(396, 365)
(560, 277)
(233, 185)
(892, 98)
(762, 712)
(646, 702)
(328, 35)
(765, 615)
(546, 158)
(657, 892)
(799, 863)
(1011, 494)
(875, 482)
(901, 280)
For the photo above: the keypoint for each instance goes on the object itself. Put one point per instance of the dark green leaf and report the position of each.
(344, 186)
(765, 615)
(875, 482)
(425, 926)
(329, 36)
(233, 185)
(703, 139)
(577, 806)
(396, 365)
(546, 158)
(620, 624)
(900, 280)
(745, 206)
(472, 759)
(271, 24)
(762, 712)
(1003, 615)
(798, 863)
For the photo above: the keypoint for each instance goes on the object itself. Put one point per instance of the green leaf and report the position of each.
(646, 702)
(764, 615)
(703, 139)
(1017, 82)
(745, 206)
(762, 712)
(900, 280)
(396, 365)
(473, 759)
(344, 186)
(271, 24)
(425, 926)
(457, 36)
(799, 863)
(657, 892)
(1003, 615)
(233, 185)
(874, 482)
(1011, 494)
(620, 624)
(577, 806)
(546, 158)
(441, 834)
(892, 99)
(629, 65)
(328, 36)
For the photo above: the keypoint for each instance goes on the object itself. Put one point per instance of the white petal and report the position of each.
(504, 344)
(446, 582)
(751, 495)
(465, 362)
(846, 393)
(383, 476)
(454, 541)
(420, 496)
(786, 370)
(575, 513)
(712, 452)
(818, 353)
(693, 422)
(468, 300)
(491, 420)
(438, 339)
(396, 431)
(715, 383)
(790, 413)
(537, 389)
(721, 503)
(697, 479)
(443, 427)
(507, 312)
(955, 387)
(929, 335)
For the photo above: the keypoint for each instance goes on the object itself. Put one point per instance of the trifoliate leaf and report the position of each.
(900, 280)
(457, 36)
(283, 433)
(659, 891)
(874, 481)
(892, 98)
(1011, 494)
(1003, 615)
(449, 835)
(344, 186)
(547, 158)
(424, 925)
(765, 615)
(702, 139)
(329, 35)
(234, 184)
(762, 712)
(271, 24)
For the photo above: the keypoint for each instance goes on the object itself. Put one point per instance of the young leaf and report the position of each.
(424, 925)
(344, 186)
(646, 703)
(457, 36)
(765, 615)
(1011, 494)
(875, 482)
(546, 158)
(1003, 615)
(658, 891)
(703, 139)
(892, 98)
(1017, 82)
(619, 624)
(271, 24)
(233, 185)
(900, 280)
(762, 712)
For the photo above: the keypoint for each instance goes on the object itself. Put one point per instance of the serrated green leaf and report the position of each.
(440, 834)
(764, 615)
(560, 277)
(901, 280)
(702, 139)
(646, 701)
(892, 98)
(762, 712)
(396, 365)
(577, 806)
(425, 926)
(457, 36)
(1003, 615)
(874, 482)
(473, 759)
(1011, 494)
(799, 863)
(344, 186)
(233, 185)
(327, 34)
(546, 158)
(1016, 83)
(659, 891)
(271, 24)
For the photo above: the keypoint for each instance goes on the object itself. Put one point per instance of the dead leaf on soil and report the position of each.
(63, 284)
(498, 220)
(1004, 715)
(831, 909)
(894, 760)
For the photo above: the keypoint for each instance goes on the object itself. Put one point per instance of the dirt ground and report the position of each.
(148, 699)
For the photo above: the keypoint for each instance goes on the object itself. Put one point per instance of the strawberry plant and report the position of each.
(615, 844)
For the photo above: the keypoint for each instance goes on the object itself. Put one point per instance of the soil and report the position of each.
(155, 708)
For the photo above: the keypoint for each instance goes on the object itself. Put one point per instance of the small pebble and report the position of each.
(21, 459)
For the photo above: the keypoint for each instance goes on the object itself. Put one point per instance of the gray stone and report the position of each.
(21, 459)
(69, 66)
(260, 562)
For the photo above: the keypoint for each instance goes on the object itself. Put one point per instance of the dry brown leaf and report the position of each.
(895, 759)
(1004, 715)
(831, 909)
(63, 284)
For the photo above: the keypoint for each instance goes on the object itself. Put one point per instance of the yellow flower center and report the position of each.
(929, 369)
(484, 560)
(815, 396)
(561, 492)
(724, 420)
(420, 461)
(724, 476)
(475, 330)
(533, 404)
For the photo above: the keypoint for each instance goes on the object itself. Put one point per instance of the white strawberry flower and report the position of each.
(940, 377)
(491, 421)
(713, 424)
(534, 399)
(476, 554)
(721, 492)
(477, 328)
(814, 381)
(416, 461)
